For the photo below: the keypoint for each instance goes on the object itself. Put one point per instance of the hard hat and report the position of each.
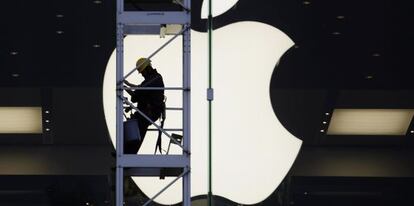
(142, 63)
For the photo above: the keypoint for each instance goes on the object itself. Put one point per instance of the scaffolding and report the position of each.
(151, 22)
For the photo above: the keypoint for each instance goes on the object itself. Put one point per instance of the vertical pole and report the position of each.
(187, 106)
(210, 36)
(119, 106)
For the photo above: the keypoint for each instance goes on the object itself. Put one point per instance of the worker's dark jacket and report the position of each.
(150, 102)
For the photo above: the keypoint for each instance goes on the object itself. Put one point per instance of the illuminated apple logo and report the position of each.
(252, 151)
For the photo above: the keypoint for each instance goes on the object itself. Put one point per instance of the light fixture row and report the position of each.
(368, 122)
(47, 121)
(325, 122)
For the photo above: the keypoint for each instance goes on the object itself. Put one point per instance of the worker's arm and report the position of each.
(138, 94)
(129, 84)
(130, 92)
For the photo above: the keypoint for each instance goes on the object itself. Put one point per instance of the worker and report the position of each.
(150, 102)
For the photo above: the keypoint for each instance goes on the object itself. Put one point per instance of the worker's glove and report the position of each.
(128, 83)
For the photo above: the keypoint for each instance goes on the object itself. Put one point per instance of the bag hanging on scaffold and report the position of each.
(131, 130)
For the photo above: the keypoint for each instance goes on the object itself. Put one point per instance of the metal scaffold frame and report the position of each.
(149, 22)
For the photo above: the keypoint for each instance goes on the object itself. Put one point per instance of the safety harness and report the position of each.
(162, 118)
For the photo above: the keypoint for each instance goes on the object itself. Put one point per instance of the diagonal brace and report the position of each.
(182, 5)
(186, 170)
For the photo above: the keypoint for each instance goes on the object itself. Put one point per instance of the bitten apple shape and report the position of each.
(252, 151)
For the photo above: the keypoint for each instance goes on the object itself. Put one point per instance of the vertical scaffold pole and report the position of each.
(187, 105)
(119, 180)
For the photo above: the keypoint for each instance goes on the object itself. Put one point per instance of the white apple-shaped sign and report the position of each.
(251, 152)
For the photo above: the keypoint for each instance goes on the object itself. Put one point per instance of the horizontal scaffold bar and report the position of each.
(142, 29)
(168, 130)
(174, 108)
(153, 161)
(153, 17)
(156, 88)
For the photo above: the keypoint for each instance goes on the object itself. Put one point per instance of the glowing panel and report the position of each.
(20, 120)
(370, 121)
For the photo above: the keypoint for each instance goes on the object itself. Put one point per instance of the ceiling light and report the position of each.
(340, 17)
(324, 122)
(322, 131)
(47, 112)
(96, 46)
(20, 120)
(15, 75)
(59, 32)
(376, 54)
(97, 2)
(369, 77)
(327, 114)
(412, 131)
(47, 129)
(336, 33)
(14, 53)
(370, 121)
(306, 2)
(59, 16)
(47, 121)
